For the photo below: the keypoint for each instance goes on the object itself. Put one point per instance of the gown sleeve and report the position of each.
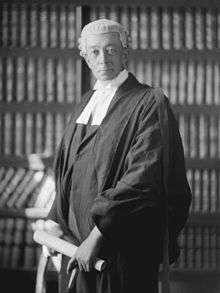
(58, 162)
(139, 189)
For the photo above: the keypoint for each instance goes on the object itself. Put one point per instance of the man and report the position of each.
(120, 174)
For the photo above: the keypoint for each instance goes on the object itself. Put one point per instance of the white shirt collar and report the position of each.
(112, 84)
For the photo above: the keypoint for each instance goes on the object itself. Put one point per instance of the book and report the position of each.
(60, 82)
(45, 192)
(16, 249)
(43, 26)
(2, 235)
(21, 193)
(34, 25)
(8, 240)
(20, 78)
(23, 25)
(209, 28)
(14, 23)
(200, 82)
(143, 30)
(70, 80)
(8, 175)
(71, 26)
(50, 80)
(198, 247)
(216, 77)
(213, 249)
(209, 83)
(205, 192)
(166, 29)
(41, 80)
(214, 201)
(197, 192)
(29, 143)
(30, 79)
(53, 27)
(213, 136)
(9, 79)
(206, 248)
(10, 189)
(18, 134)
(199, 28)
(177, 29)
(154, 24)
(29, 248)
(189, 40)
(203, 137)
(134, 28)
(190, 247)
(182, 82)
(5, 35)
(63, 26)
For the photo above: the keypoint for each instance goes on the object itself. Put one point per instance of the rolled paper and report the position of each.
(62, 246)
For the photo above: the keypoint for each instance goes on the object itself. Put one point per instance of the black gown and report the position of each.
(114, 176)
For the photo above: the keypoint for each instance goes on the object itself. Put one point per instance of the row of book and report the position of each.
(59, 79)
(21, 188)
(183, 81)
(200, 248)
(166, 28)
(39, 79)
(200, 135)
(26, 133)
(25, 25)
(17, 247)
(205, 187)
(29, 133)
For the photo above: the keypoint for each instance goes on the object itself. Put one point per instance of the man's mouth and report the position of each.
(105, 69)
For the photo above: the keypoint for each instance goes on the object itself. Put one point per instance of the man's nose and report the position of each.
(103, 56)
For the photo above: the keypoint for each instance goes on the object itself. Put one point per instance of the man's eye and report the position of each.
(111, 51)
(94, 52)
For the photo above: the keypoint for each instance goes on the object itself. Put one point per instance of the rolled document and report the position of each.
(62, 246)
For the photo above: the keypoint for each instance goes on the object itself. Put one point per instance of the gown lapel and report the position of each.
(124, 90)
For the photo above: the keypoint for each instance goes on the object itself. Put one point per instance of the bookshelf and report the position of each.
(174, 45)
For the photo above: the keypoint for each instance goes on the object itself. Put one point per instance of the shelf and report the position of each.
(13, 161)
(189, 274)
(204, 219)
(29, 213)
(35, 52)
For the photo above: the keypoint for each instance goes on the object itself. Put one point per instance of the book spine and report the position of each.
(2, 236)
(154, 24)
(16, 250)
(8, 239)
(11, 187)
(198, 248)
(71, 25)
(29, 248)
(53, 27)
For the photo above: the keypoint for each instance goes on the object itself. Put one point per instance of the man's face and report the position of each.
(105, 55)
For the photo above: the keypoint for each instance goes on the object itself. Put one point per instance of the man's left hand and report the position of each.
(86, 253)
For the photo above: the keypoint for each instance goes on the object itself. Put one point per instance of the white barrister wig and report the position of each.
(99, 27)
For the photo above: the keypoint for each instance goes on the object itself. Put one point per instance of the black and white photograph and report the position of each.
(110, 146)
